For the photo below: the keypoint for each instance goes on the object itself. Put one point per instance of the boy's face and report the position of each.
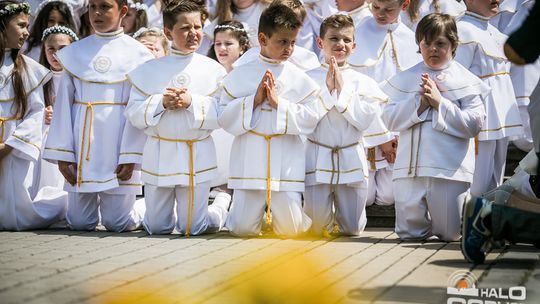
(486, 8)
(105, 15)
(280, 45)
(386, 12)
(337, 42)
(437, 53)
(348, 5)
(186, 34)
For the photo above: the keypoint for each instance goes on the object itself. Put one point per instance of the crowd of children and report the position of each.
(291, 115)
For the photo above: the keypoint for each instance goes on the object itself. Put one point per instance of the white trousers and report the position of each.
(118, 212)
(489, 165)
(160, 215)
(524, 142)
(380, 189)
(248, 207)
(349, 203)
(427, 206)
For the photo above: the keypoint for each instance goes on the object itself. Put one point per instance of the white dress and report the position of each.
(18, 209)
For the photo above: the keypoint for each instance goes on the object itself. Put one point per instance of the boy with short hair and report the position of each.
(336, 165)
(267, 165)
(481, 51)
(95, 147)
(386, 47)
(173, 101)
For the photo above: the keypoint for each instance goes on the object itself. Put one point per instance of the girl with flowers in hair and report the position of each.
(49, 13)
(21, 116)
(230, 42)
(48, 179)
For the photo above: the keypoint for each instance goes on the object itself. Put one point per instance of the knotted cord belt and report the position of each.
(335, 151)
(417, 146)
(3, 127)
(191, 197)
(90, 109)
(267, 138)
(371, 158)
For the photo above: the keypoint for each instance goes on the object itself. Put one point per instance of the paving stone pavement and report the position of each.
(61, 266)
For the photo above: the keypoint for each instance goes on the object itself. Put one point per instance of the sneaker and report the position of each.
(475, 235)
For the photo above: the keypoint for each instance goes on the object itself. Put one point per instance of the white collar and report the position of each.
(444, 67)
(477, 16)
(345, 66)
(179, 53)
(114, 34)
(270, 61)
(358, 9)
(388, 27)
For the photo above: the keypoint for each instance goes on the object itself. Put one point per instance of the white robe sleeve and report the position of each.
(357, 109)
(297, 118)
(27, 137)
(464, 121)
(401, 115)
(236, 114)
(143, 110)
(205, 112)
(60, 143)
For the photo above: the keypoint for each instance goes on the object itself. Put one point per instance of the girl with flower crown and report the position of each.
(136, 17)
(21, 116)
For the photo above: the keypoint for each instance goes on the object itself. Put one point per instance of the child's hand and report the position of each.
(67, 169)
(171, 98)
(124, 171)
(260, 95)
(184, 99)
(271, 93)
(431, 92)
(48, 115)
(388, 151)
(338, 79)
(330, 76)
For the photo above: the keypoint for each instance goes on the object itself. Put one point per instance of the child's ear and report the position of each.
(123, 11)
(263, 40)
(405, 5)
(167, 33)
(319, 43)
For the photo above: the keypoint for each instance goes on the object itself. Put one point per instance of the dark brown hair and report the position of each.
(42, 19)
(19, 68)
(237, 29)
(434, 25)
(337, 21)
(277, 17)
(176, 8)
(295, 5)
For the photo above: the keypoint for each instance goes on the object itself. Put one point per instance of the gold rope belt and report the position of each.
(191, 197)
(371, 158)
(494, 74)
(267, 138)
(90, 110)
(335, 151)
(3, 127)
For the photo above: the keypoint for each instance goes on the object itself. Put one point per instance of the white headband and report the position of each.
(58, 29)
(137, 5)
(144, 30)
(230, 27)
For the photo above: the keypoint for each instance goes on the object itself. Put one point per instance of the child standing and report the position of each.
(336, 165)
(95, 147)
(230, 42)
(21, 119)
(436, 123)
(267, 167)
(172, 100)
(481, 52)
(387, 48)
(48, 178)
